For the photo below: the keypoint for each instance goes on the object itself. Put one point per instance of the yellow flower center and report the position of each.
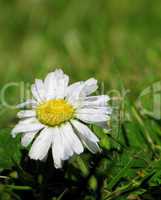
(55, 112)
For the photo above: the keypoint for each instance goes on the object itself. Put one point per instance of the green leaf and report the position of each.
(9, 149)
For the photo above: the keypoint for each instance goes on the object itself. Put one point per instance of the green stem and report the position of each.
(19, 187)
(121, 190)
(61, 196)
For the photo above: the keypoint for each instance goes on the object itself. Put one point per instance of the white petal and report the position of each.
(56, 84)
(27, 126)
(91, 118)
(65, 144)
(38, 90)
(89, 139)
(26, 113)
(93, 115)
(27, 138)
(95, 101)
(31, 120)
(72, 139)
(57, 150)
(41, 145)
(94, 110)
(91, 146)
(90, 86)
(73, 91)
(29, 103)
(79, 90)
(67, 149)
(85, 131)
(103, 125)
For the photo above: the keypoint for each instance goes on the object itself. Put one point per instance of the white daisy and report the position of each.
(59, 117)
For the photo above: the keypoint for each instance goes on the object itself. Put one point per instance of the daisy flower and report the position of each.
(59, 117)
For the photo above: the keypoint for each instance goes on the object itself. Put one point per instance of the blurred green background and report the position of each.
(117, 42)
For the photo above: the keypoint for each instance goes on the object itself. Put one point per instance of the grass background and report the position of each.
(117, 42)
(111, 40)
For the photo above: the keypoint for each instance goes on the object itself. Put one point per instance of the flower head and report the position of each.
(59, 117)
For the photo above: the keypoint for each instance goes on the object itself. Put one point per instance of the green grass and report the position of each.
(118, 43)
